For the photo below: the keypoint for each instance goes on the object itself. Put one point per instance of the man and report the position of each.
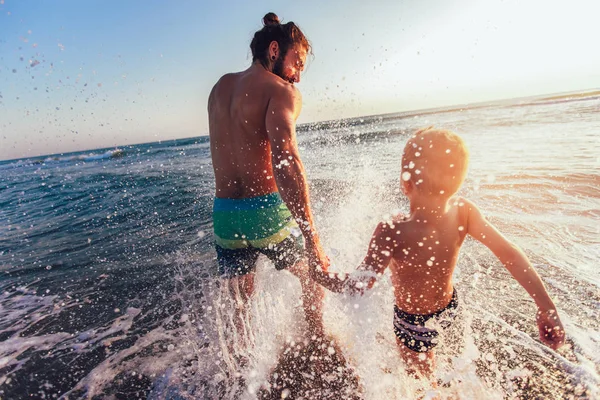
(261, 202)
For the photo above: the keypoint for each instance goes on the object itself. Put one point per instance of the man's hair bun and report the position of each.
(270, 19)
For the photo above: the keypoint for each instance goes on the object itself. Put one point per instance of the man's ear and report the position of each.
(273, 50)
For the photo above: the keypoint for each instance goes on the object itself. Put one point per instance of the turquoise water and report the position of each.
(109, 288)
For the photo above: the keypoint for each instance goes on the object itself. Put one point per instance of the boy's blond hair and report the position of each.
(435, 161)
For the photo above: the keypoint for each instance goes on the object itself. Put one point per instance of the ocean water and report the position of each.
(108, 286)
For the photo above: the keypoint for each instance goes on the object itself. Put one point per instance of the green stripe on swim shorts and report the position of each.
(241, 243)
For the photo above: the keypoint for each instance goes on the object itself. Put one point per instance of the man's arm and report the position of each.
(283, 110)
(516, 262)
(379, 255)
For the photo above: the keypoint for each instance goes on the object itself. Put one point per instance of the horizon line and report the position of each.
(557, 96)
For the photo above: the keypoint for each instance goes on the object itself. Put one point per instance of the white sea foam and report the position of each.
(543, 196)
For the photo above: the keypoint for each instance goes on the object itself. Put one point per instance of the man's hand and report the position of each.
(316, 255)
(551, 329)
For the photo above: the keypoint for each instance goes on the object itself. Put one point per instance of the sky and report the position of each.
(77, 75)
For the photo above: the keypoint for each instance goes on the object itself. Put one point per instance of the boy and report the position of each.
(421, 250)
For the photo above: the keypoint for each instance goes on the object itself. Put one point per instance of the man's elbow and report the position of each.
(282, 159)
(285, 168)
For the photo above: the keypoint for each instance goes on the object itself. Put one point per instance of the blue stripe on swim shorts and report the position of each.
(249, 203)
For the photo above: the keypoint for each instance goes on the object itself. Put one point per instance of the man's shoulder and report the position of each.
(280, 88)
(284, 96)
(226, 79)
(270, 84)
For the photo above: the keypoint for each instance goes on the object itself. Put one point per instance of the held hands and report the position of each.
(318, 265)
(316, 255)
(551, 329)
(317, 259)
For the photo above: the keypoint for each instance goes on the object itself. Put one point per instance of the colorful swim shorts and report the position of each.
(246, 227)
(411, 330)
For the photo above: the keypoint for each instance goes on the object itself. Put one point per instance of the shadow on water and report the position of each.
(312, 369)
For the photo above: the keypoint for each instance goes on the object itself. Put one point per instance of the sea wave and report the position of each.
(116, 153)
(62, 158)
(348, 135)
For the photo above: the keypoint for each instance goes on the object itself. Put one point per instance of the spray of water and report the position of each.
(491, 351)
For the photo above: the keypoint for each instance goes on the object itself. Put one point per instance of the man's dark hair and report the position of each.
(286, 35)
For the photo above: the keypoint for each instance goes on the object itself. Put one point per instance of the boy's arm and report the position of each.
(378, 257)
(551, 330)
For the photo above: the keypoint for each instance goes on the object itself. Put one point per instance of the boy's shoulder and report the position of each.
(392, 222)
(465, 205)
(396, 217)
(388, 231)
(457, 200)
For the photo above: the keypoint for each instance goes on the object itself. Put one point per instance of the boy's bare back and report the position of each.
(426, 248)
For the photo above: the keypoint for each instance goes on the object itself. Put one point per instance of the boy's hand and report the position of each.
(551, 330)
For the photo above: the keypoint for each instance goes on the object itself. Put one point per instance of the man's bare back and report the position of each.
(240, 147)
